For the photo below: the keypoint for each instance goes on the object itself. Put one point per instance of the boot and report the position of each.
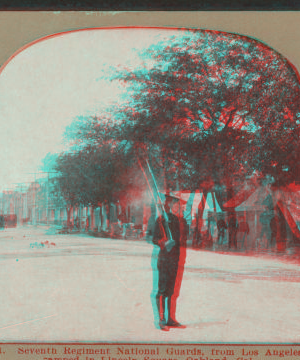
(172, 322)
(160, 303)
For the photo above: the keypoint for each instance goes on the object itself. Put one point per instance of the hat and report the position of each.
(169, 197)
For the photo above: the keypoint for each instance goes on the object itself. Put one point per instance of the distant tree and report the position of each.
(96, 174)
(88, 176)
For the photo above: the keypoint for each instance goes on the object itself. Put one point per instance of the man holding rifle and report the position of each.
(167, 236)
(168, 260)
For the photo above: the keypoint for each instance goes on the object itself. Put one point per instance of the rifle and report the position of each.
(169, 244)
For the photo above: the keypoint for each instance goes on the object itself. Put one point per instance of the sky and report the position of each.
(44, 87)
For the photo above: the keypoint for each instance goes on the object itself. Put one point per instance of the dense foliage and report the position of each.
(208, 109)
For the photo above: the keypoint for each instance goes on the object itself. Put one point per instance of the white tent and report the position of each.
(255, 201)
(286, 198)
(193, 200)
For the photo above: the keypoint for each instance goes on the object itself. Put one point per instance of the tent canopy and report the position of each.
(255, 201)
(193, 200)
(287, 199)
(240, 197)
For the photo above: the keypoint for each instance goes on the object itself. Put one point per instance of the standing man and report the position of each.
(87, 224)
(76, 223)
(221, 226)
(167, 263)
(244, 229)
(232, 231)
(264, 219)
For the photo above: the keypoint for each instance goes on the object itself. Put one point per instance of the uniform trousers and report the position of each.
(167, 266)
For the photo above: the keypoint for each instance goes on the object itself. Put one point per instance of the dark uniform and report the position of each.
(221, 226)
(232, 230)
(167, 265)
(264, 220)
(244, 228)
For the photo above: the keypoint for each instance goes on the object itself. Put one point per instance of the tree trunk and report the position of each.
(197, 238)
(103, 217)
(79, 217)
(92, 218)
(88, 219)
(108, 216)
(69, 209)
(188, 211)
(100, 218)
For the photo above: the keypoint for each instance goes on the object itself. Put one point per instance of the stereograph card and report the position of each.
(149, 205)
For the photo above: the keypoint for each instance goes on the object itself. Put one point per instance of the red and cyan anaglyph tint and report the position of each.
(191, 143)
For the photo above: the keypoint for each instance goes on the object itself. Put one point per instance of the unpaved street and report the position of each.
(80, 288)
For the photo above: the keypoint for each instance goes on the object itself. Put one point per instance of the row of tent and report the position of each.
(249, 203)
(286, 199)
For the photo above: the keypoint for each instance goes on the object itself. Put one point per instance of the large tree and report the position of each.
(210, 108)
(213, 102)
